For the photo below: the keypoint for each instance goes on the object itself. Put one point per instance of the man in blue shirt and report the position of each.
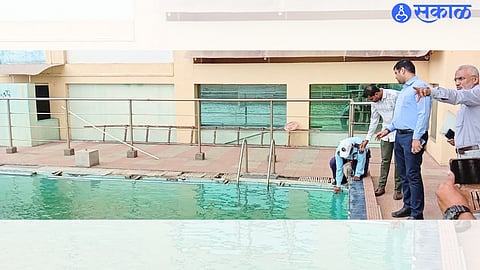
(410, 121)
(348, 152)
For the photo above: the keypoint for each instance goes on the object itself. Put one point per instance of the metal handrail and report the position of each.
(129, 125)
(243, 150)
(271, 156)
(111, 136)
(10, 135)
(186, 99)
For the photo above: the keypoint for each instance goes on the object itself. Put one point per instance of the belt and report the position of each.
(462, 150)
(405, 131)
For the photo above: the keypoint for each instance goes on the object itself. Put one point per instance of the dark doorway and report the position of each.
(43, 106)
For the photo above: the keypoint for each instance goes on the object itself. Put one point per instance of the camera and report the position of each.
(467, 174)
(466, 170)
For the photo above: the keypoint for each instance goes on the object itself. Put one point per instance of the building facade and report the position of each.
(165, 85)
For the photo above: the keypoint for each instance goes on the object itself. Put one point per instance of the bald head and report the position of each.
(466, 77)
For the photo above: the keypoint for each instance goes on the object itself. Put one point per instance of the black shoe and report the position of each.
(413, 218)
(404, 212)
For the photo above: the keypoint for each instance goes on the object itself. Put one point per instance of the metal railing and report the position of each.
(110, 115)
(115, 138)
(272, 158)
(243, 153)
(11, 149)
(148, 128)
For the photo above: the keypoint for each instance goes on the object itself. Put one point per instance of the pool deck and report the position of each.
(175, 160)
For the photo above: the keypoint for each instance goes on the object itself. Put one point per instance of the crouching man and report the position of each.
(349, 154)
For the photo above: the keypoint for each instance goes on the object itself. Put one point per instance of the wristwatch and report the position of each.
(454, 211)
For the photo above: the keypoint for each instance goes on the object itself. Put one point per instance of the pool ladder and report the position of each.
(271, 157)
(243, 150)
(244, 154)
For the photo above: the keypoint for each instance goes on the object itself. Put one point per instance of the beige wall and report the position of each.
(55, 57)
(298, 77)
(58, 78)
(184, 89)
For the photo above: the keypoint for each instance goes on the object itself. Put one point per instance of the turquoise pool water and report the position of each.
(87, 197)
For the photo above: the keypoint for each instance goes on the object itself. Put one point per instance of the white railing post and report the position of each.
(271, 157)
(271, 119)
(351, 118)
(69, 151)
(243, 152)
(132, 153)
(200, 155)
(12, 149)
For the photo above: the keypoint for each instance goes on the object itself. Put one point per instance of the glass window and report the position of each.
(244, 114)
(333, 116)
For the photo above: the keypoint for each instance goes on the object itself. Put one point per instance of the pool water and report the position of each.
(43, 197)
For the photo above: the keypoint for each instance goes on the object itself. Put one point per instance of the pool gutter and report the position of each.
(362, 202)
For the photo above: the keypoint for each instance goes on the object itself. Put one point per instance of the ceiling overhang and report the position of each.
(25, 69)
(255, 56)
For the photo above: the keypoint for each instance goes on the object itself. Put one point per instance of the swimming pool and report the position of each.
(47, 197)
(227, 244)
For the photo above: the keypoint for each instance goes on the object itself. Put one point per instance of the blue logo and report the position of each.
(401, 13)
(429, 13)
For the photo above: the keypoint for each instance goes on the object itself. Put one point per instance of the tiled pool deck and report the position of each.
(179, 160)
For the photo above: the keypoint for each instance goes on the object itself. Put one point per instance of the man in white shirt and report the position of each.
(383, 105)
(467, 133)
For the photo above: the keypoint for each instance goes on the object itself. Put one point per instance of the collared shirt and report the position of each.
(384, 108)
(354, 155)
(467, 129)
(410, 114)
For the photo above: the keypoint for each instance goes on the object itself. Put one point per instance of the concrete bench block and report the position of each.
(132, 153)
(69, 152)
(11, 150)
(86, 158)
(200, 156)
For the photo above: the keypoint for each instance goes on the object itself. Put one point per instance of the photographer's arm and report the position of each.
(448, 194)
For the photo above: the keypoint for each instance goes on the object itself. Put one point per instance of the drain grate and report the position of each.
(321, 179)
